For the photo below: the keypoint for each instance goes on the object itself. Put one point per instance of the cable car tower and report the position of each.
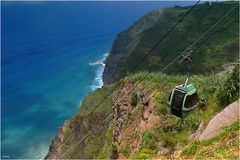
(183, 98)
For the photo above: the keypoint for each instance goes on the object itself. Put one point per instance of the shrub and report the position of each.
(140, 156)
(148, 140)
(169, 141)
(144, 154)
(191, 149)
(134, 99)
(222, 146)
(127, 150)
(229, 92)
(114, 152)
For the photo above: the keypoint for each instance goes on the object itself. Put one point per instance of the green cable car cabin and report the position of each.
(183, 98)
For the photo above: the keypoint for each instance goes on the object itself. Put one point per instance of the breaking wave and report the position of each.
(98, 81)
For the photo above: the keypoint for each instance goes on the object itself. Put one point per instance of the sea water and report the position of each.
(52, 57)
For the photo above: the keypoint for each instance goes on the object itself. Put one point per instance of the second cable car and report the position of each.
(183, 98)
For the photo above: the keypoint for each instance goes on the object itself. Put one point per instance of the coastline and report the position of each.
(47, 100)
(97, 82)
(100, 66)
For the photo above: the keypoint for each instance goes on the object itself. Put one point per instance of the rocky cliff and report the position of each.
(140, 125)
(70, 142)
(134, 120)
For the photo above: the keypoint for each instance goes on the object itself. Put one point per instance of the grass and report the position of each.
(104, 151)
(126, 150)
(229, 91)
(97, 144)
(225, 145)
(143, 154)
(215, 91)
(148, 140)
(94, 99)
(172, 131)
(67, 134)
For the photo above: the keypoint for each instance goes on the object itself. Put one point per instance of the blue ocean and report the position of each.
(52, 57)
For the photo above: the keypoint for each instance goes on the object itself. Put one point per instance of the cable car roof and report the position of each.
(188, 89)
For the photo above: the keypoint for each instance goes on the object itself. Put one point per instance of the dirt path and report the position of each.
(229, 115)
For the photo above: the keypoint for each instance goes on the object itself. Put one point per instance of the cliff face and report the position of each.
(125, 43)
(70, 143)
(133, 44)
(133, 115)
(140, 125)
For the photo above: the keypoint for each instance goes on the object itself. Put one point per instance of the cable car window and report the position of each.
(178, 99)
(191, 101)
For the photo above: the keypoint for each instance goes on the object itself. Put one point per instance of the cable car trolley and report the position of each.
(183, 98)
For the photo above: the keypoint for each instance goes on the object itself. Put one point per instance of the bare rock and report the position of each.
(228, 116)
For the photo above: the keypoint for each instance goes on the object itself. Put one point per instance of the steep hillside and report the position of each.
(223, 146)
(133, 44)
(134, 120)
(78, 127)
(140, 127)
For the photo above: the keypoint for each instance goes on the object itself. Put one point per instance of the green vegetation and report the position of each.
(229, 91)
(143, 154)
(215, 91)
(225, 145)
(172, 132)
(67, 134)
(134, 100)
(99, 142)
(140, 155)
(148, 140)
(126, 150)
(104, 151)
(94, 99)
(219, 46)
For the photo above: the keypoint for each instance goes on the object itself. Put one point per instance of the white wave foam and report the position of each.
(98, 81)
(99, 62)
